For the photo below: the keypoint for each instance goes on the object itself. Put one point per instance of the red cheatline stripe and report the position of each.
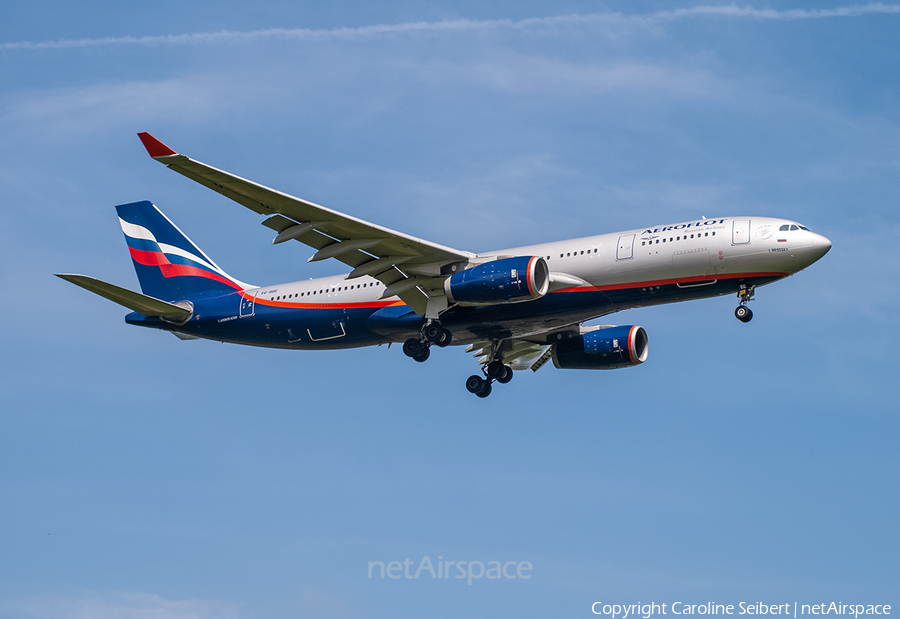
(664, 282)
(331, 306)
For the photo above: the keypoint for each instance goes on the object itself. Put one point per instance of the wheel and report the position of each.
(446, 337)
(743, 313)
(507, 376)
(496, 369)
(422, 356)
(412, 347)
(432, 332)
(485, 391)
(475, 383)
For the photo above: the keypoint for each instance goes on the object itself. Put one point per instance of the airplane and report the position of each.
(516, 308)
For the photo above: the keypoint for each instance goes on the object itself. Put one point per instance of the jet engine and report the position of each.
(508, 280)
(604, 349)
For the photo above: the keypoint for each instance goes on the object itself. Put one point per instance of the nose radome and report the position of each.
(821, 245)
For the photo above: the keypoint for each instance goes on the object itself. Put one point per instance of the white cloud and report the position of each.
(732, 10)
(532, 25)
(122, 606)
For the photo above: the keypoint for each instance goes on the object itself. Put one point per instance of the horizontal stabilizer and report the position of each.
(135, 301)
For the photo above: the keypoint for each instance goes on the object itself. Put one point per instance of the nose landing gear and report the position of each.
(742, 312)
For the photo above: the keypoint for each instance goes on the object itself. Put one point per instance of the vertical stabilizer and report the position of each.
(168, 264)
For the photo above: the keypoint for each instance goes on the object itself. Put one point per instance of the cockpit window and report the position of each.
(795, 227)
(784, 227)
(804, 228)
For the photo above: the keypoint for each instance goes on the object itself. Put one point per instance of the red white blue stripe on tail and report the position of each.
(168, 264)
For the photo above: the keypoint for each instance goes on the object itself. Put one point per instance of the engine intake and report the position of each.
(603, 349)
(508, 280)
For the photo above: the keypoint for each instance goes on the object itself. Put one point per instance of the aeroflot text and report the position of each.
(623, 611)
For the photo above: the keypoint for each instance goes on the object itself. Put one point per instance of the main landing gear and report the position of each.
(743, 312)
(432, 333)
(495, 370)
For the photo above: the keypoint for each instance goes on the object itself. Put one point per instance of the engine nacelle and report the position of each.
(603, 349)
(508, 280)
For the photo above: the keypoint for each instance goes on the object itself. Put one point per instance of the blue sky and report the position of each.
(143, 476)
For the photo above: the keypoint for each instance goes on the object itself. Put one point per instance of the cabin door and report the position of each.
(740, 234)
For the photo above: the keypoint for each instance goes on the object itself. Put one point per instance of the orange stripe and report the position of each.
(528, 278)
(664, 282)
(336, 305)
(630, 355)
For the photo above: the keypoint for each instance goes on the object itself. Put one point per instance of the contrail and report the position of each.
(459, 25)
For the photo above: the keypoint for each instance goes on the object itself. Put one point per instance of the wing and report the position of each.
(410, 268)
(524, 353)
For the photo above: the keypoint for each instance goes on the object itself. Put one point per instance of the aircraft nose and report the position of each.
(820, 246)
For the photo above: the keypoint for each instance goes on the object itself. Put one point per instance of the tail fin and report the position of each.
(168, 265)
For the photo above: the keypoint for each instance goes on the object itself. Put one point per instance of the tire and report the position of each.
(495, 369)
(507, 376)
(446, 338)
(486, 391)
(743, 313)
(412, 347)
(433, 332)
(423, 356)
(475, 383)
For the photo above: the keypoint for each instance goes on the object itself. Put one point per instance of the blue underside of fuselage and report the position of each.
(349, 327)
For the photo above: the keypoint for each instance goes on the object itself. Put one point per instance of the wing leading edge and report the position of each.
(410, 268)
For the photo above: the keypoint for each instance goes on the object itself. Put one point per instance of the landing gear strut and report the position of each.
(432, 333)
(743, 312)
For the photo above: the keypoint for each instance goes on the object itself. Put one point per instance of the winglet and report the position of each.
(155, 147)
